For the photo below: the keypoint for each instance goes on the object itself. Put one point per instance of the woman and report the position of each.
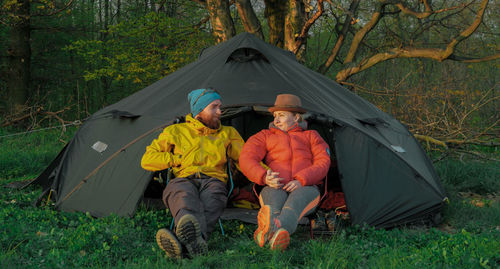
(295, 162)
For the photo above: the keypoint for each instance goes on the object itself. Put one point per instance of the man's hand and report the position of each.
(292, 185)
(272, 179)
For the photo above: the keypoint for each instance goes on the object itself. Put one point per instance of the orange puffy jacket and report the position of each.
(296, 154)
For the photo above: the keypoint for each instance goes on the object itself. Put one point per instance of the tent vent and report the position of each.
(123, 114)
(242, 55)
(99, 146)
(398, 149)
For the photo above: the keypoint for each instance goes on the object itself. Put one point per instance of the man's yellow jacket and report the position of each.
(191, 148)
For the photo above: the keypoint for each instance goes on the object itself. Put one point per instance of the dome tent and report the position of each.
(386, 176)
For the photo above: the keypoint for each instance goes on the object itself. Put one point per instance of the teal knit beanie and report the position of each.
(201, 98)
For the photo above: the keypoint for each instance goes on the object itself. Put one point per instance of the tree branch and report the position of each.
(202, 21)
(299, 41)
(454, 142)
(33, 112)
(428, 10)
(473, 60)
(66, 6)
(360, 35)
(340, 40)
(409, 52)
(467, 32)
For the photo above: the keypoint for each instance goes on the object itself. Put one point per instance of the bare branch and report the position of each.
(341, 37)
(360, 35)
(428, 10)
(477, 154)
(409, 52)
(473, 60)
(202, 21)
(454, 142)
(32, 112)
(54, 12)
(299, 41)
(467, 32)
(429, 139)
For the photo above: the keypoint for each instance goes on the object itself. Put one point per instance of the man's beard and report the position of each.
(210, 122)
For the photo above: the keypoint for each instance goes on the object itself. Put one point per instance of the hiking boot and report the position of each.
(168, 242)
(261, 235)
(318, 223)
(189, 234)
(280, 240)
(331, 221)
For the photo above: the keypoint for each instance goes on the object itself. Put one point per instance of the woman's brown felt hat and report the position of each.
(287, 102)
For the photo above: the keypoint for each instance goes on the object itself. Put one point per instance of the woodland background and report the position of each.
(433, 64)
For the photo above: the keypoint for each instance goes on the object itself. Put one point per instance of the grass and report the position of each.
(26, 155)
(42, 237)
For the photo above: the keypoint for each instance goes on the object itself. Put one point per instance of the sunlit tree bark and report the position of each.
(220, 19)
(275, 16)
(250, 21)
(294, 21)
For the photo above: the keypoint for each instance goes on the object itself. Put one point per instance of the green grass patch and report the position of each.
(480, 177)
(42, 237)
(26, 155)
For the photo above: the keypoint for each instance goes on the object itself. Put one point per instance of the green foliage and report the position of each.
(51, 239)
(140, 51)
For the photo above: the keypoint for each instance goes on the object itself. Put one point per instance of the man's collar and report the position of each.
(199, 126)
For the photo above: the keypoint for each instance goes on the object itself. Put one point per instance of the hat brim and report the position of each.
(284, 108)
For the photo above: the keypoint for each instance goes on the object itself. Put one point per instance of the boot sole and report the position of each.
(167, 242)
(264, 220)
(280, 240)
(189, 234)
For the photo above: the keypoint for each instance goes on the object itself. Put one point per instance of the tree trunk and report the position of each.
(118, 11)
(294, 21)
(275, 15)
(248, 18)
(106, 18)
(220, 18)
(19, 51)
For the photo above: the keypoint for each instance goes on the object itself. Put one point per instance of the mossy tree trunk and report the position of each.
(19, 55)
(275, 13)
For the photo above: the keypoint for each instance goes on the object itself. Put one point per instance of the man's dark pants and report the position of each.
(201, 196)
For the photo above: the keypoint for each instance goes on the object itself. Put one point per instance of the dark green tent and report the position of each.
(386, 176)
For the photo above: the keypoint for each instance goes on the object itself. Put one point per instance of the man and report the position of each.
(196, 151)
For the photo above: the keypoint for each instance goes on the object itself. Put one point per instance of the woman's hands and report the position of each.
(273, 181)
(292, 185)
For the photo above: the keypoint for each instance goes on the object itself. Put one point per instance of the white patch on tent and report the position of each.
(398, 149)
(100, 146)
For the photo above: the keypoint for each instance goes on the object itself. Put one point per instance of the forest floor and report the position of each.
(42, 237)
